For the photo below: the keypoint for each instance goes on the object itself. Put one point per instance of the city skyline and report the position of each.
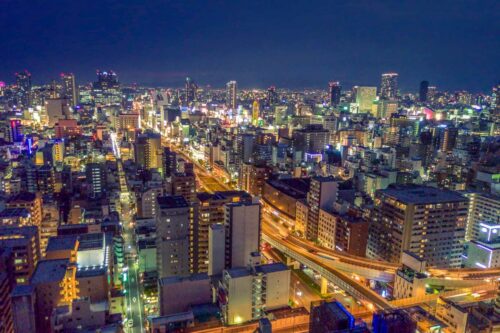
(294, 46)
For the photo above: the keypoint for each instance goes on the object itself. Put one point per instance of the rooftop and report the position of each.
(173, 201)
(58, 243)
(50, 271)
(14, 212)
(177, 279)
(416, 194)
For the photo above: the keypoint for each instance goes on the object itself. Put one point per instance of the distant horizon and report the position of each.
(178, 83)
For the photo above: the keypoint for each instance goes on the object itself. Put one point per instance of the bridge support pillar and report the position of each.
(324, 286)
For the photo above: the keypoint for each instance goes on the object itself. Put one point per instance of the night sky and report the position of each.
(453, 44)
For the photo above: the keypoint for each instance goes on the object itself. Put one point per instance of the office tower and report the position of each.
(148, 150)
(327, 317)
(169, 162)
(57, 110)
(184, 183)
(322, 194)
(106, 80)
(391, 321)
(96, 179)
(209, 210)
(106, 90)
(242, 230)
(424, 90)
(231, 95)
(310, 140)
(255, 112)
(69, 89)
(23, 88)
(334, 93)
(426, 221)
(190, 91)
(172, 241)
(246, 292)
(483, 208)
(272, 96)
(365, 97)
(389, 86)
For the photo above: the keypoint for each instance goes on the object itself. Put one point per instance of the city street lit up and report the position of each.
(249, 166)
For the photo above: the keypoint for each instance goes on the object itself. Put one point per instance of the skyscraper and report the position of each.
(334, 90)
(69, 88)
(231, 90)
(190, 91)
(23, 83)
(389, 86)
(255, 112)
(424, 89)
(272, 96)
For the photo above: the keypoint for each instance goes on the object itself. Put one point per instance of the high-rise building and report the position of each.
(184, 183)
(23, 88)
(312, 139)
(169, 162)
(255, 112)
(424, 90)
(334, 93)
(148, 151)
(96, 179)
(172, 241)
(231, 95)
(209, 210)
(69, 89)
(389, 86)
(426, 221)
(242, 232)
(322, 194)
(272, 96)
(365, 97)
(190, 91)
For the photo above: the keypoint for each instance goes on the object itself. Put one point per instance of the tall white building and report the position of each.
(231, 91)
(172, 240)
(242, 232)
(483, 207)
